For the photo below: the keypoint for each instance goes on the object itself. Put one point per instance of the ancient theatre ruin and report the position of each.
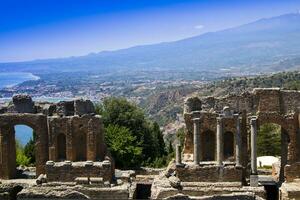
(218, 159)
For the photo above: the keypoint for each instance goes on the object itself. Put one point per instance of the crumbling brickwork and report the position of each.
(209, 173)
(220, 146)
(69, 171)
(68, 130)
(269, 105)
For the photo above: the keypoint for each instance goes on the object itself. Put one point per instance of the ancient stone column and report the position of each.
(253, 124)
(196, 140)
(238, 141)
(178, 154)
(253, 176)
(220, 142)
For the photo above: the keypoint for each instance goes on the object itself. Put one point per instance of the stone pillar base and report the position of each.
(254, 180)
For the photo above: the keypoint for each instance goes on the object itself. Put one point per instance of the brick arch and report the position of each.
(287, 125)
(275, 118)
(285, 143)
(38, 123)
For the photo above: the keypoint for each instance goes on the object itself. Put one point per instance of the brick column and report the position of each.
(220, 142)
(91, 141)
(70, 141)
(238, 141)
(196, 141)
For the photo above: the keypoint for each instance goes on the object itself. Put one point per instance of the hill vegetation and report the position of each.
(164, 106)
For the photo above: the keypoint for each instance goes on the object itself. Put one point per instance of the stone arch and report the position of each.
(287, 126)
(228, 147)
(285, 142)
(38, 123)
(208, 145)
(61, 147)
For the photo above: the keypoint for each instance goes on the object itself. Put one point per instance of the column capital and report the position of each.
(196, 119)
(253, 120)
(219, 119)
(236, 115)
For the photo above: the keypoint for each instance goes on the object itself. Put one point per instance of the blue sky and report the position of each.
(37, 29)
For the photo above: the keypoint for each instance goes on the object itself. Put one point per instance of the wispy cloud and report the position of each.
(199, 26)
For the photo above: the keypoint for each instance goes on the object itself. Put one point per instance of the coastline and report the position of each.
(10, 79)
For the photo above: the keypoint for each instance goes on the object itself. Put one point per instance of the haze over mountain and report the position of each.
(271, 44)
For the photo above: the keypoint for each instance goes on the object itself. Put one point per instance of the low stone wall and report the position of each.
(162, 189)
(291, 172)
(209, 173)
(290, 190)
(68, 171)
(63, 191)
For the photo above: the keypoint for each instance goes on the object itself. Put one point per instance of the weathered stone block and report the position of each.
(192, 104)
(23, 104)
(65, 108)
(82, 107)
(82, 181)
(209, 173)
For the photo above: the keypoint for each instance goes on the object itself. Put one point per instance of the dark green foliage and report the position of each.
(159, 140)
(29, 149)
(141, 138)
(269, 140)
(180, 136)
(170, 148)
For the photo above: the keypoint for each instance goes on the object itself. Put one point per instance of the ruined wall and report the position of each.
(84, 137)
(68, 130)
(69, 171)
(38, 123)
(269, 99)
(209, 173)
(270, 105)
(208, 123)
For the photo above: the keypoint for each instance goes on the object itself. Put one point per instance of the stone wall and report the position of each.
(69, 171)
(269, 105)
(38, 123)
(263, 99)
(68, 130)
(84, 137)
(209, 173)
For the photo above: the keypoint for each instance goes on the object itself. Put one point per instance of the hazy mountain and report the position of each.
(267, 44)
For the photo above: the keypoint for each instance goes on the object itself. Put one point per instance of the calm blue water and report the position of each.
(10, 79)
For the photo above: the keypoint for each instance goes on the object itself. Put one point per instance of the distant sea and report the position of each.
(8, 79)
(23, 133)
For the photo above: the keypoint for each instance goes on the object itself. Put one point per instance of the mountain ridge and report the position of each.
(264, 42)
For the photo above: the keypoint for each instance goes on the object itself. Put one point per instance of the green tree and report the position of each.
(123, 145)
(269, 140)
(121, 113)
(21, 158)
